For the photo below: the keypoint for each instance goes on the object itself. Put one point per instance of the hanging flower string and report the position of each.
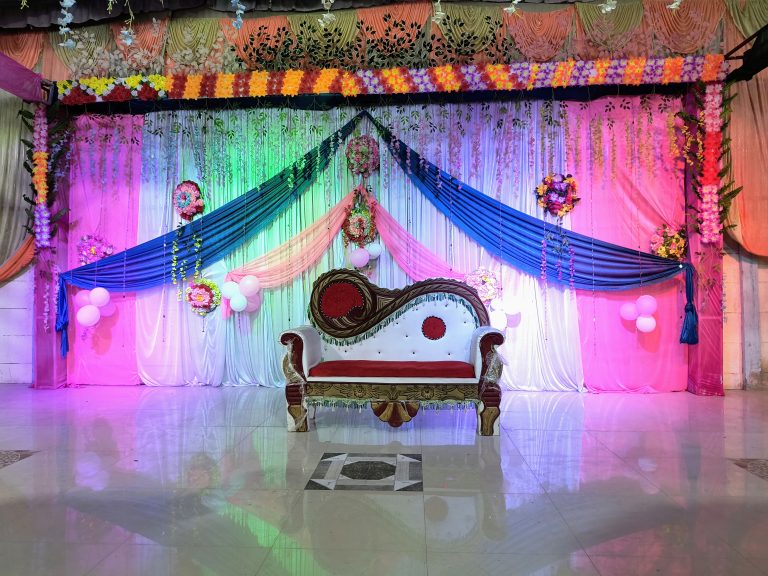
(669, 243)
(203, 296)
(40, 179)
(363, 155)
(710, 225)
(557, 194)
(188, 202)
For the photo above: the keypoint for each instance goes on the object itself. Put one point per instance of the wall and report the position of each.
(16, 333)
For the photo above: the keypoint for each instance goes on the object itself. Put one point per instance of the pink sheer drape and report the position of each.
(19, 80)
(104, 196)
(623, 155)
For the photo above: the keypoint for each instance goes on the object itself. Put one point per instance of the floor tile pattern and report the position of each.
(356, 471)
(136, 481)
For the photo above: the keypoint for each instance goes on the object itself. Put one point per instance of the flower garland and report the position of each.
(557, 194)
(42, 214)
(669, 243)
(363, 155)
(450, 78)
(203, 296)
(485, 282)
(710, 224)
(187, 200)
(92, 248)
(360, 225)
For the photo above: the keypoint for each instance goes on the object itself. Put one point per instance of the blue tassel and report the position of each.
(690, 331)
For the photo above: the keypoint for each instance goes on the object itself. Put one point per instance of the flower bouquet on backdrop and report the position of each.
(188, 200)
(557, 194)
(92, 247)
(669, 243)
(203, 296)
(485, 282)
(360, 225)
(363, 155)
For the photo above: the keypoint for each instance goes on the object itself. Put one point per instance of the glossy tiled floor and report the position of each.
(204, 482)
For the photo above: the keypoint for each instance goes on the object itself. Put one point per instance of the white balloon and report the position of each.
(498, 319)
(229, 289)
(82, 298)
(374, 250)
(249, 286)
(511, 307)
(99, 297)
(497, 304)
(238, 302)
(88, 315)
(646, 324)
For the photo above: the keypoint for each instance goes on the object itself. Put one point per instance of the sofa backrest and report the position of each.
(429, 320)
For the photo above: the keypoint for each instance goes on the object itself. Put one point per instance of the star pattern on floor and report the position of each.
(363, 471)
(8, 457)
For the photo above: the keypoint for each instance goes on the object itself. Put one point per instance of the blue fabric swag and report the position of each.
(225, 229)
(535, 246)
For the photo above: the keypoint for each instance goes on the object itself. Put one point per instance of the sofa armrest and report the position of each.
(483, 340)
(306, 346)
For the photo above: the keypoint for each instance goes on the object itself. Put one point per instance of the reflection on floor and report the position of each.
(203, 482)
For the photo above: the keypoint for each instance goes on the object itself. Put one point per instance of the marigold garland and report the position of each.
(448, 78)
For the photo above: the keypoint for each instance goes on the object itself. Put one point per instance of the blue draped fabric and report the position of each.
(221, 231)
(538, 247)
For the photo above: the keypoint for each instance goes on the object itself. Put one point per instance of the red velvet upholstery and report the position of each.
(339, 299)
(383, 369)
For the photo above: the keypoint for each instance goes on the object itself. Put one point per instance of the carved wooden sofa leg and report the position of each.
(296, 409)
(488, 409)
(488, 420)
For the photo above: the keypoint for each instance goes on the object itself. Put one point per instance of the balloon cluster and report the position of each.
(93, 305)
(244, 296)
(641, 313)
(500, 311)
(359, 257)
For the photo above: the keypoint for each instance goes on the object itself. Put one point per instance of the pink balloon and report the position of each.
(82, 298)
(249, 286)
(646, 305)
(646, 324)
(628, 311)
(88, 315)
(359, 257)
(108, 310)
(254, 303)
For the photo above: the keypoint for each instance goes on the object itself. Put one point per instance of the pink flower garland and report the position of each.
(710, 225)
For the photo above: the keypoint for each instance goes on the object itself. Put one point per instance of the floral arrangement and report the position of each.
(557, 194)
(485, 282)
(42, 214)
(92, 248)
(187, 200)
(669, 243)
(449, 78)
(710, 225)
(360, 225)
(203, 296)
(363, 155)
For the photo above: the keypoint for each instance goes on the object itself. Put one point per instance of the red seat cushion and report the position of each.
(384, 369)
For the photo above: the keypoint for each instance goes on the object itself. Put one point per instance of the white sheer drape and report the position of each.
(504, 151)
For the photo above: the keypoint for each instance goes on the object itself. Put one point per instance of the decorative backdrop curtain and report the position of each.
(505, 150)
(689, 28)
(14, 180)
(25, 48)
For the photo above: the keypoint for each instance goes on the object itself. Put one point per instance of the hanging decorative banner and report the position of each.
(92, 247)
(363, 155)
(203, 296)
(557, 194)
(188, 200)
